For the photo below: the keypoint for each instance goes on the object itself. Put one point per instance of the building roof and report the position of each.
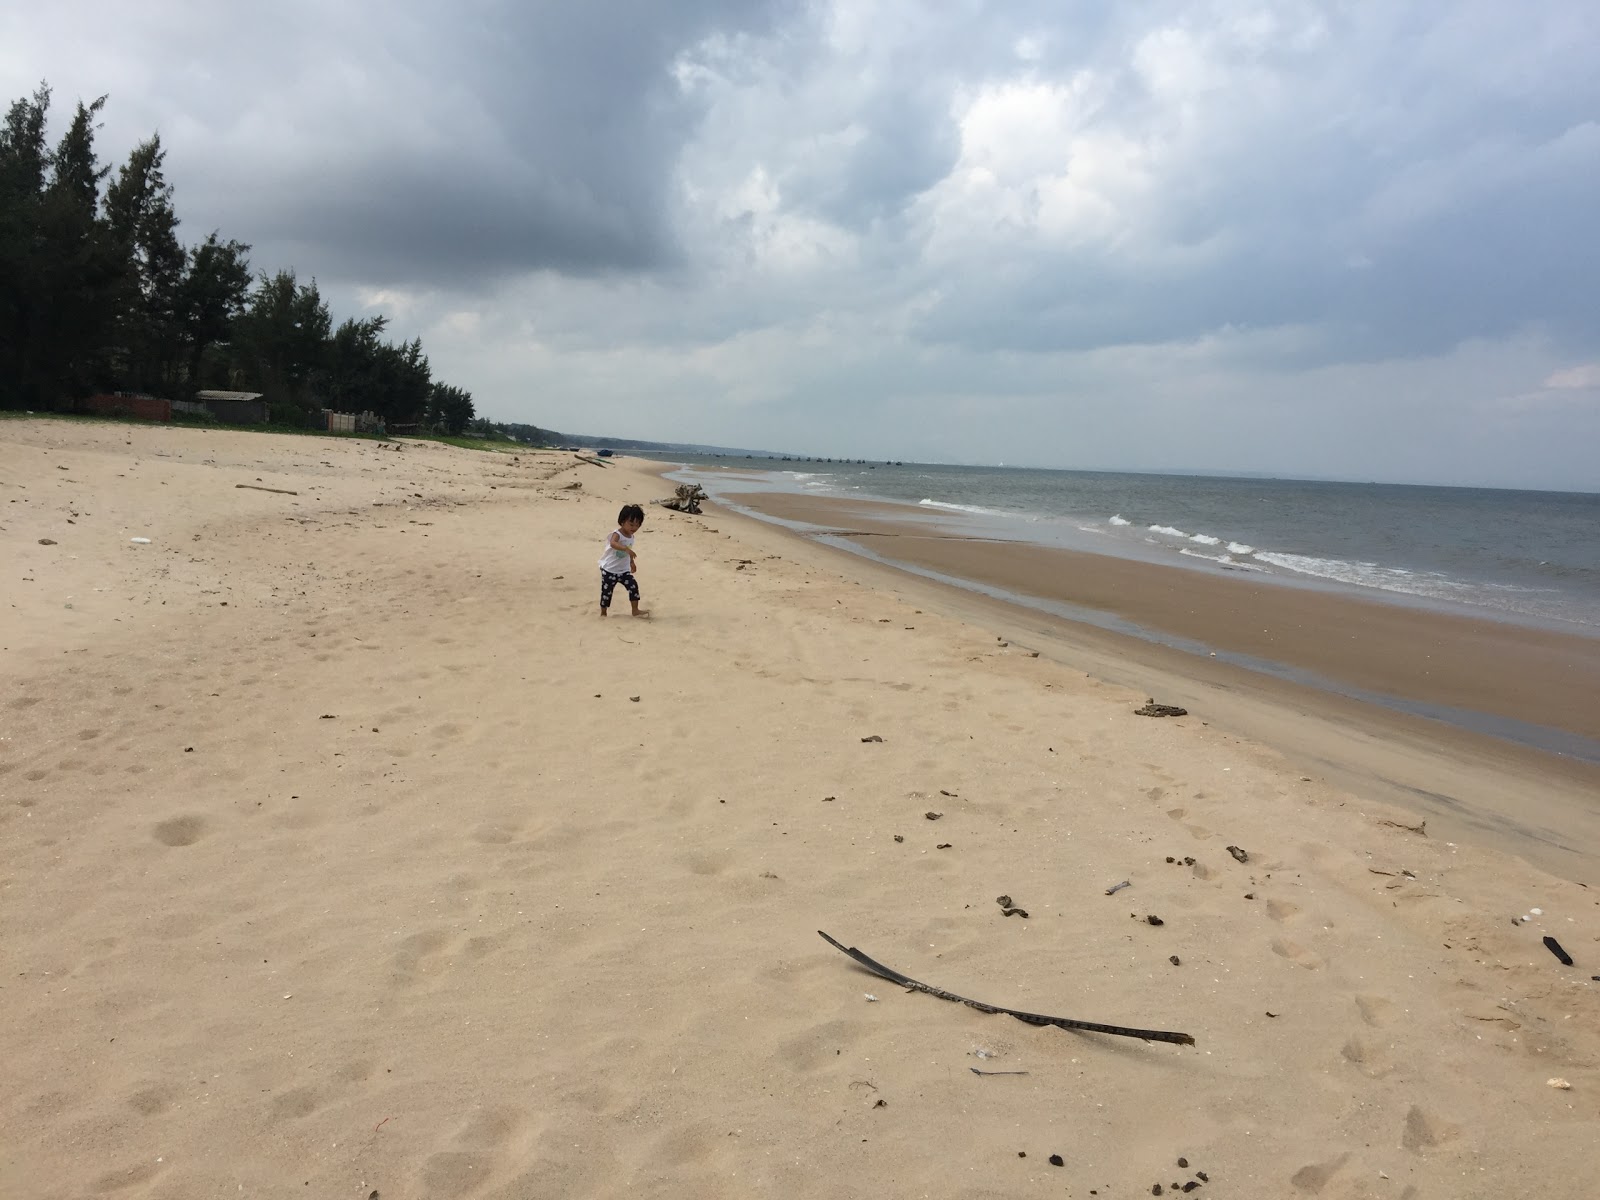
(230, 395)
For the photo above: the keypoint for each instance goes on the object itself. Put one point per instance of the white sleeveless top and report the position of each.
(616, 561)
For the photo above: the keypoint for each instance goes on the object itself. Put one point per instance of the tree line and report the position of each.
(98, 294)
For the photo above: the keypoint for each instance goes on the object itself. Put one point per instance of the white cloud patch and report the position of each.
(1585, 376)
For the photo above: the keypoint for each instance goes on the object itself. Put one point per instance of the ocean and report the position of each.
(1527, 557)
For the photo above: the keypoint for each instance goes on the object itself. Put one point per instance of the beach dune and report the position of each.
(346, 851)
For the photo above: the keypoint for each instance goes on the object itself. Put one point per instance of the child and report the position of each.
(617, 564)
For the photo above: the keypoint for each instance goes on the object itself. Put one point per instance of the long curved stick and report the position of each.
(893, 976)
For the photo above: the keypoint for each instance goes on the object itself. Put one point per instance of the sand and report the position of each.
(346, 850)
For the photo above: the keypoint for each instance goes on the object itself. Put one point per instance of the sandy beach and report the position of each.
(347, 852)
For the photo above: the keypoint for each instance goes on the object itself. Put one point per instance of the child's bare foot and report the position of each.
(641, 612)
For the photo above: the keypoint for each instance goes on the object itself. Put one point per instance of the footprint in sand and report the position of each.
(152, 1100)
(1425, 1131)
(1375, 1010)
(1296, 953)
(486, 1145)
(1370, 1058)
(295, 1103)
(1313, 1177)
(495, 833)
(180, 831)
(706, 863)
(127, 1177)
(819, 1045)
(417, 957)
(1282, 910)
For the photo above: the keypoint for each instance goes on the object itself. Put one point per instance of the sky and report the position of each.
(1343, 239)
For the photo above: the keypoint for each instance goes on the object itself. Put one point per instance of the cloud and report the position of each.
(1586, 376)
(810, 222)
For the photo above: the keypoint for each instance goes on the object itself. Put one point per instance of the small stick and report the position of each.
(1117, 887)
(1555, 948)
(975, 1071)
(905, 981)
(255, 487)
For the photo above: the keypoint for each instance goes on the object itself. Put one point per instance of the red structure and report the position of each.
(145, 408)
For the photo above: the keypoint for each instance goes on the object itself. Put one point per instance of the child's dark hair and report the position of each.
(630, 512)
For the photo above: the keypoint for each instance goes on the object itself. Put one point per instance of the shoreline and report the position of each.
(1466, 784)
(1424, 662)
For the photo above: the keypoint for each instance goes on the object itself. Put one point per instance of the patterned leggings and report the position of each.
(608, 583)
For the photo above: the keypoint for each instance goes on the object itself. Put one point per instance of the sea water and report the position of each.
(1528, 557)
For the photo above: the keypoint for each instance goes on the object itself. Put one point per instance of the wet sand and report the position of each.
(1507, 794)
(1521, 674)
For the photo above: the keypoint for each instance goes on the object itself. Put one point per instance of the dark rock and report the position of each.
(873, 738)
(1057, 1161)
(933, 816)
(1184, 1163)
(1152, 709)
(1152, 919)
(1175, 962)
(1238, 854)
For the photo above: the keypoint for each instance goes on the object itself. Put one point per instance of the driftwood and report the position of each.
(686, 498)
(256, 487)
(893, 976)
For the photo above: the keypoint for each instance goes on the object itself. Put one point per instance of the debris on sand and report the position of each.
(1152, 709)
(685, 498)
(1069, 1023)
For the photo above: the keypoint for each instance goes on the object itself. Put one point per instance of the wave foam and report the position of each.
(1205, 539)
(1429, 585)
(1119, 520)
(1222, 560)
(1240, 548)
(1168, 530)
(966, 508)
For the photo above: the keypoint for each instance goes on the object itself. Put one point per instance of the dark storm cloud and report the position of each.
(434, 149)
